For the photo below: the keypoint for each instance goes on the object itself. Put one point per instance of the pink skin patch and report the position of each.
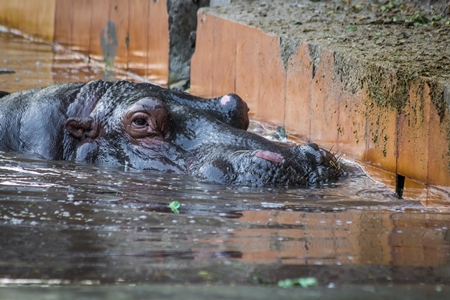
(225, 99)
(268, 155)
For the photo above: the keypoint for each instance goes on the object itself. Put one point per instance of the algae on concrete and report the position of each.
(387, 38)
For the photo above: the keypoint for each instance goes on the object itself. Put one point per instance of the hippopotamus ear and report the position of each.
(82, 128)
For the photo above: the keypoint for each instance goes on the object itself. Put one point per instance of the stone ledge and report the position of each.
(328, 78)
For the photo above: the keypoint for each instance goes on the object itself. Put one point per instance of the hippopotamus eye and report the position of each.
(140, 122)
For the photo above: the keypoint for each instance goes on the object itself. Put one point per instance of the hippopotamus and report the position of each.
(147, 127)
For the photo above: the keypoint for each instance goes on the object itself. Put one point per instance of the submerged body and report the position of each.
(144, 126)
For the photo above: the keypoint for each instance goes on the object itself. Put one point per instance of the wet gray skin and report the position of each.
(143, 126)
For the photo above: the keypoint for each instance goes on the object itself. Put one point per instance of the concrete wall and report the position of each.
(306, 89)
(153, 39)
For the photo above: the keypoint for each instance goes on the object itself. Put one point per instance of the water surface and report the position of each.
(78, 223)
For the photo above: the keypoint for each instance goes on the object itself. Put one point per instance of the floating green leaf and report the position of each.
(307, 281)
(351, 28)
(287, 283)
(304, 282)
(174, 205)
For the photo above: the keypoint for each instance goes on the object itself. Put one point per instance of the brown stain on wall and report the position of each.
(119, 15)
(134, 34)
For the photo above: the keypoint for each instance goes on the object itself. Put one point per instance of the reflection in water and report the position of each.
(60, 220)
(39, 64)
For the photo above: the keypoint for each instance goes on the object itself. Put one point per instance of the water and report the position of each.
(37, 64)
(82, 227)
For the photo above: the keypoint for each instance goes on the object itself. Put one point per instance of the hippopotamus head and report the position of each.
(125, 125)
(143, 126)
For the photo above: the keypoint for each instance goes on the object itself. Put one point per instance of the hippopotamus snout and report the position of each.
(320, 165)
(306, 165)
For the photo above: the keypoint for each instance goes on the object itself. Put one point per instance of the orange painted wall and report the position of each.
(35, 18)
